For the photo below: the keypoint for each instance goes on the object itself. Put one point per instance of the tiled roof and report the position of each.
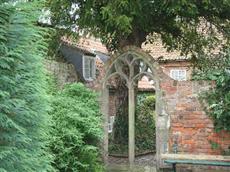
(156, 49)
(93, 44)
(160, 53)
(174, 59)
(78, 47)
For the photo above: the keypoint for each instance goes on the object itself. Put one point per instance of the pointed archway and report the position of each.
(124, 64)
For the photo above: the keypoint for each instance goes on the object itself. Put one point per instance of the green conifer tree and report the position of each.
(23, 105)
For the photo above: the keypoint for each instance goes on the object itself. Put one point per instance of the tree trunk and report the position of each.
(136, 38)
(120, 135)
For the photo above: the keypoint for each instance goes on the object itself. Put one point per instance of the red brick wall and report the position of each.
(190, 126)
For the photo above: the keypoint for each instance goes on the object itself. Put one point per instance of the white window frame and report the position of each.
(93, 67)
(179, 76)
(110, 124)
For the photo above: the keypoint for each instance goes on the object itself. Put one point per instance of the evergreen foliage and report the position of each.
(76, 130)
(145, 129)
(128, 22)
(23, 103)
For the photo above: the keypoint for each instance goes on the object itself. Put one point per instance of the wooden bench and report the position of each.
(196, 160)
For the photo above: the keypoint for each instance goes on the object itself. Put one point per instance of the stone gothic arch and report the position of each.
(147, 66)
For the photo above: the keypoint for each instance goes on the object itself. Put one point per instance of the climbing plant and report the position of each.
(24, 121)
(217, 101)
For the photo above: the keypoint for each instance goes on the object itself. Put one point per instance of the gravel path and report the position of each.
(144, 163)
(148, 160)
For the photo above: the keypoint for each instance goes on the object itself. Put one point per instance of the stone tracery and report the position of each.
(132, 65)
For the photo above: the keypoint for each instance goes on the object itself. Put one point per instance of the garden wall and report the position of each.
(63, 72)
(190, 127)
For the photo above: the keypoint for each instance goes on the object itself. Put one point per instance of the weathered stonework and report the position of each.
(63, 72)
(156, 73)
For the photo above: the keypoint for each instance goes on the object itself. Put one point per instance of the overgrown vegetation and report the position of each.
(217, 101)
(23, 100)
(76, 130)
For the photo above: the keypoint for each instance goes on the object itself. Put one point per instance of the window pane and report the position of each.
(86, 68)
(89, 67)
(178, 74)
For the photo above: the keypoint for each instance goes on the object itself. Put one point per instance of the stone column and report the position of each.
(105, 112)
(131, 125)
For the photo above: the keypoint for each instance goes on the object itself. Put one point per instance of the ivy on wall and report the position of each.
(217, 101)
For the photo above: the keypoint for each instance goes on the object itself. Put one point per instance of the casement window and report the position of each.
(110, 124)
(89, 69)
(178, 74)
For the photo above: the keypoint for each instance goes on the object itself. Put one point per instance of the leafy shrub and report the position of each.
(23, 104)
(145, 123)
(76, 130)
